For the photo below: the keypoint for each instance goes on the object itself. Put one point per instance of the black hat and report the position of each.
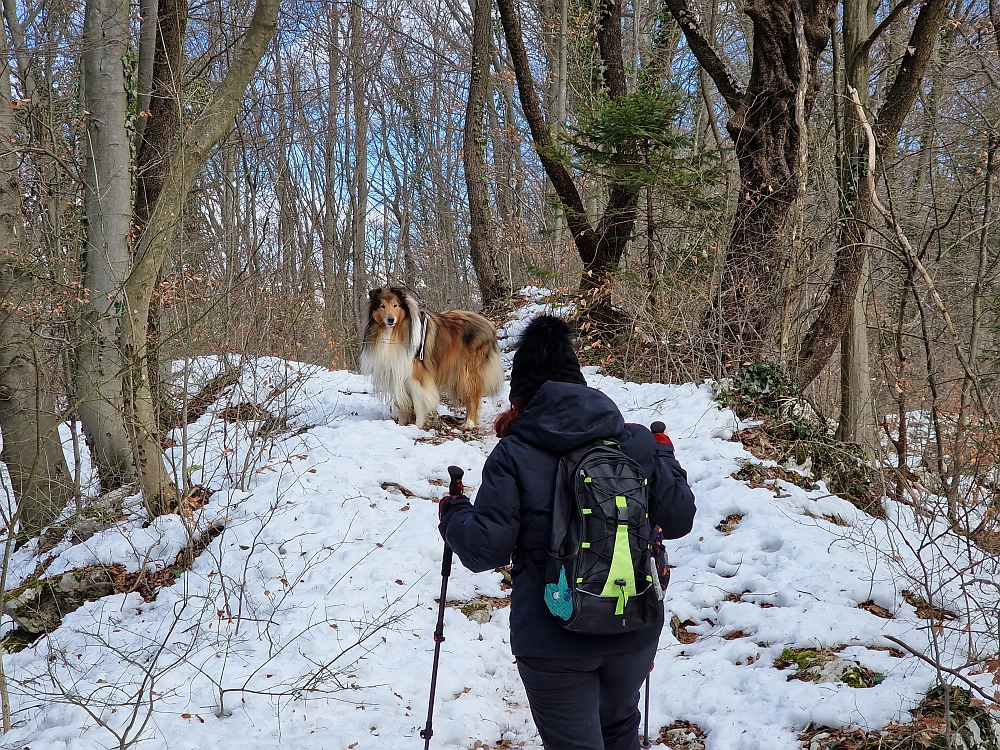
(544, 352)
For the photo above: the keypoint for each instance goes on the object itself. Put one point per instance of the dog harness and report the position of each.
(423, 335)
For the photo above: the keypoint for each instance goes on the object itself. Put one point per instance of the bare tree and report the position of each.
(482, 246)
(29, 419)
(187, 159)
(601, 247)
(101, 365)
(825, 333)
(764, 129)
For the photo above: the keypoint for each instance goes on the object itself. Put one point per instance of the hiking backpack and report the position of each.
(599, 576)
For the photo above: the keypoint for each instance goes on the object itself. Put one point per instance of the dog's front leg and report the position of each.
(406, 415)
(404, 406)
(471, 415)
(425, 402)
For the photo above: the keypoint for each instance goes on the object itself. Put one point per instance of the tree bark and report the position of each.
(482, 247)
(108, 209)
(857, 420)
(162, 127)
(188, 158)
(29, 421)
(825, 333)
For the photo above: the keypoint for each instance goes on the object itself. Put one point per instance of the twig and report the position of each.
(973, 687)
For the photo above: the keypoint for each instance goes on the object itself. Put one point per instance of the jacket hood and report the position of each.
(564, 416)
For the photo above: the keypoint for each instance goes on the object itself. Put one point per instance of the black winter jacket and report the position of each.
(512, 516)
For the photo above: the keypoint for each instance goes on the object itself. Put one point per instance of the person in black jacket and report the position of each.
(583, 689)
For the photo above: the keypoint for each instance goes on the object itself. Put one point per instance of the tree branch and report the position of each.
(562, 181)
(916, 57)
(865, 47)
(705, 54)
(973, 687)
(213, 123)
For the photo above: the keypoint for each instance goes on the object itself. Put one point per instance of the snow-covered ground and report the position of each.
(308, 623)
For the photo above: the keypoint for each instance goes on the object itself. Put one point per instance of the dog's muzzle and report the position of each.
(390, 322)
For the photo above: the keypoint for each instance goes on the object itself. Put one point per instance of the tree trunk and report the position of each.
(333, 277)
(156, 139)
(283, 187)
(766, 138)
(188, 158)
(857, 419)
(562, 65)
(29, 422)
(106, 265)
(161, 130)
(146, 59)
(359, 217)
(826, 331)
(482, 247)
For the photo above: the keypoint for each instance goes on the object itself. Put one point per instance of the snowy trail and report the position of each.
(257, 646)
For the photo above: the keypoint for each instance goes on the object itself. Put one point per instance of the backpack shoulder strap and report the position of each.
(562, 505)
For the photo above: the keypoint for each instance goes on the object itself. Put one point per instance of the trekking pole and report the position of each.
(645, 716)
(656, 428)
(454, 490)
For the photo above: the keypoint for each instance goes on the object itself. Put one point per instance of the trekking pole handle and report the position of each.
(455, 488)
(657, 427)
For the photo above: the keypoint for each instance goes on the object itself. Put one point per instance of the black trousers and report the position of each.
(587, 704)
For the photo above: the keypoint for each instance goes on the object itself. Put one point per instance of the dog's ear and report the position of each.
(374, 293)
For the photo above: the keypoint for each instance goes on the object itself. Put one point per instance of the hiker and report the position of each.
(583, 689)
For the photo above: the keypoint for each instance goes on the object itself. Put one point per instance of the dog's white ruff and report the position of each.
(390, 366)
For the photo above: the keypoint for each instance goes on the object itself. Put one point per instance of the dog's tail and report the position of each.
(492, 373)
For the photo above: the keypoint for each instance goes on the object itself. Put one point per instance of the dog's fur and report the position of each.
(461, 357)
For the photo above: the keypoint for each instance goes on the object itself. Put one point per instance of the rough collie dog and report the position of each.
(414, 357)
